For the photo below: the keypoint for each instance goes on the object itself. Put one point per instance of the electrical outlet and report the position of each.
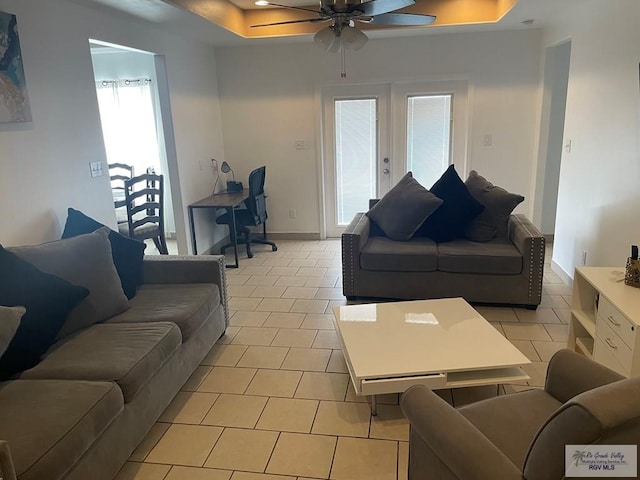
(300, 145)
(200, 165)
(292, 213)
(487, 140)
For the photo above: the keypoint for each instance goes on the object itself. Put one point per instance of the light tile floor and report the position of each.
(272, 400)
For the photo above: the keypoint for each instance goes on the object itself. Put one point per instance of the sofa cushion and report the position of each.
(404, 208)
(188, 305)
(83, 260)
(127, 253)
(384, 254)
(50, 424)
(48, 300)
(498, 205)
(454, 215)
(496, 418)
(498, 257)
(9, 322)
(126, 353)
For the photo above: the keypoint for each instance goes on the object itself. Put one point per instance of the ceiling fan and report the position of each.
(342, 33)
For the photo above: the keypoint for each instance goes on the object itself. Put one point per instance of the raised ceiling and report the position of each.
(222, 23)
(240, 19)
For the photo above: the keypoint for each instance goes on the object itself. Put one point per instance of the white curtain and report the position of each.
(128, 123)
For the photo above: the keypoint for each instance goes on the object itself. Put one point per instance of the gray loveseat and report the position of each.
(81, 411)
(506, 270)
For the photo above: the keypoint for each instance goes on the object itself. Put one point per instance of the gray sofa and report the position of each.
(506, 270)
(80, 412)
(523, 435)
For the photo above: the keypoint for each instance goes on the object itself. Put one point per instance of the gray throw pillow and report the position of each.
(498, 205)
(86, 261)
(9, 323)
(404, 208)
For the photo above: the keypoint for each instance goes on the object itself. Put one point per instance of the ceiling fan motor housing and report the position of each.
(338, 6)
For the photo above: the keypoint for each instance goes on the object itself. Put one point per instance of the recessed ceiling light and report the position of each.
(524, 22)
(262, 3)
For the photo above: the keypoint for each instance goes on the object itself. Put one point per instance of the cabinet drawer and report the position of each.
(602, 354)
(618, 322)
(381, 386)
(614, 345)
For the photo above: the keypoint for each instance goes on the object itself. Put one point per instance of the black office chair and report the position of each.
(251, 214)
(144, 200)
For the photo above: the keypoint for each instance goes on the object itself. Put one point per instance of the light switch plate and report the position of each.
(96, 169)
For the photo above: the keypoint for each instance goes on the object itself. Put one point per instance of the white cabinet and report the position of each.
(605, 316)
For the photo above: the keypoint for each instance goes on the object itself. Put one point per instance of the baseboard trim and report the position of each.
(293, 236)
(558, 270)
(549, 237)
(215, 248)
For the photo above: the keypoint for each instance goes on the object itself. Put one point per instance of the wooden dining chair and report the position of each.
(118, 173)
(144, 201)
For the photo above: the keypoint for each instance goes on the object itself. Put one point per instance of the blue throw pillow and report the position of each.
(127, 253)
(48, 300)
(458, 210)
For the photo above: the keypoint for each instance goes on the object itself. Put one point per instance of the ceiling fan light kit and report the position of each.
(342, 33)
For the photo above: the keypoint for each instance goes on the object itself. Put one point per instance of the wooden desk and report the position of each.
(226, 201)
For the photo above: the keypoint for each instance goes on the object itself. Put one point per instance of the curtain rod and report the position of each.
(144, 81)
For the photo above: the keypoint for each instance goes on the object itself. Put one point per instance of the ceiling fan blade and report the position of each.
(378, 7)
(293, 8)
(312, 20)
(402, 19)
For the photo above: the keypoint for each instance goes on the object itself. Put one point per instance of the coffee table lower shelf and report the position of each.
(436, 381)
(440, 343)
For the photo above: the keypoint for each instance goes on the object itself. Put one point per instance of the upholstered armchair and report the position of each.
(522, 435)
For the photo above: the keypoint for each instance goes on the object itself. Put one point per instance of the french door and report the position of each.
(356, 147)
(374, 134)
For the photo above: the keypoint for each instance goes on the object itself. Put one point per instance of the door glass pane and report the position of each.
(428, 137)
(355, 146)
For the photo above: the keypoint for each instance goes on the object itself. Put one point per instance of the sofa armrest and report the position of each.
(7, 470)
(570, 374)
(531, 244)
(353, 239)
(168, 269)
(455, 441)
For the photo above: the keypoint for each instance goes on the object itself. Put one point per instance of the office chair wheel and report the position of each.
(274, 248)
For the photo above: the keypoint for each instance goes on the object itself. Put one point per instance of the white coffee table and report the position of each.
(442, 343)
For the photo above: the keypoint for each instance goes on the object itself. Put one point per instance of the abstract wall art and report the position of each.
(14, 101)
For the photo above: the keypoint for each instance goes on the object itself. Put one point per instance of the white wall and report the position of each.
(44, 165)
(113, 63)
(268, 102)
(556, 76)
(599, 190)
